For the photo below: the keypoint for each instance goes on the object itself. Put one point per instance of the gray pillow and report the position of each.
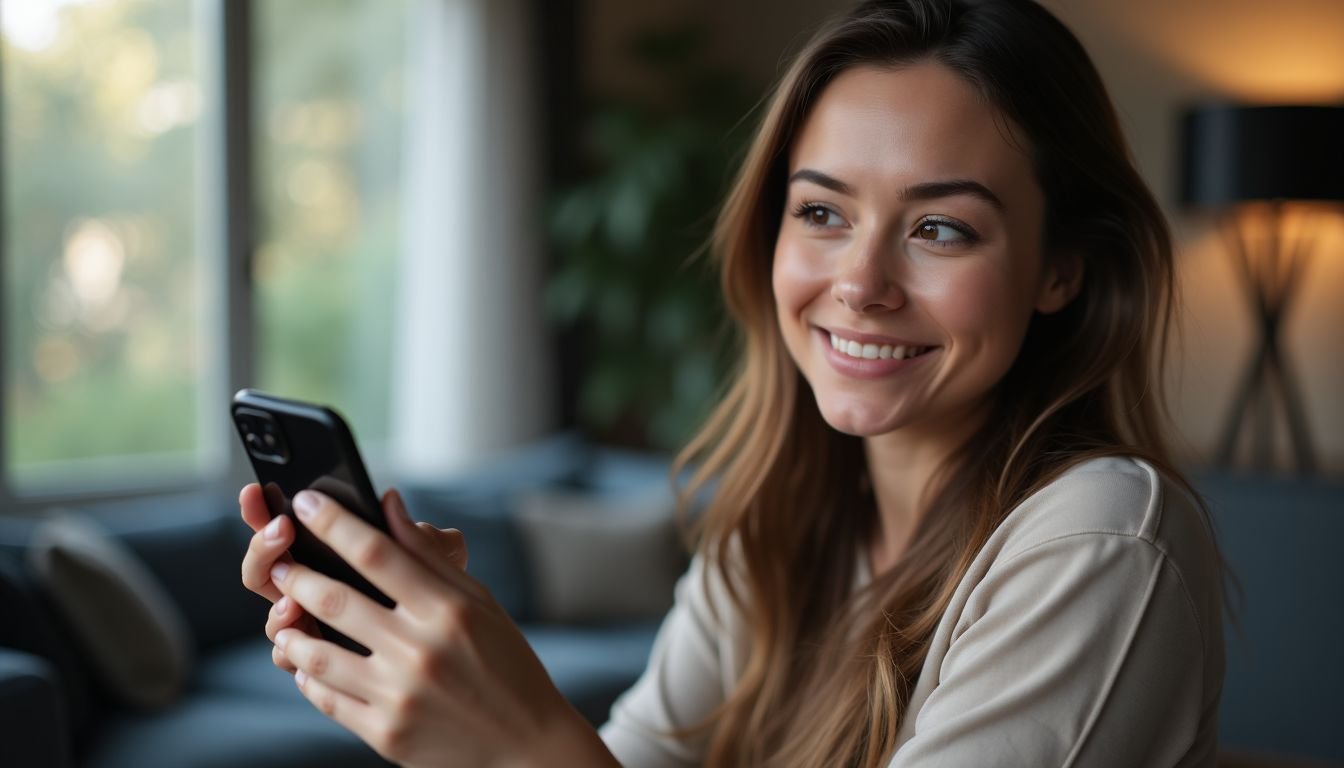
(599, 558)
(130, 630)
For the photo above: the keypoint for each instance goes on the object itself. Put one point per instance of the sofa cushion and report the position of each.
(600, 558)
(245, 669)
(127, 625)
(593, 665)
(194, 543)
(224, 731)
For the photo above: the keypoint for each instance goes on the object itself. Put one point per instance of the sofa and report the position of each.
(1280, 707)
(1281, 537)
(237, 709)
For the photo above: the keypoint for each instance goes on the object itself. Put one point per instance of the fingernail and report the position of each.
(300, 677)
(278, 572)
(401, 506)
(305, 504)
(272, 529)
(282, 638)
(281, 605)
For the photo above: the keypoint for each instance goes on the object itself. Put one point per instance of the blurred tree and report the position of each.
(647, 312)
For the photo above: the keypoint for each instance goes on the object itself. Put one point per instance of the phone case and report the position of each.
(294, 446)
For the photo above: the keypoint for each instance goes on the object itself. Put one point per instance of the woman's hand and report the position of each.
(451, 680)
(272, 538)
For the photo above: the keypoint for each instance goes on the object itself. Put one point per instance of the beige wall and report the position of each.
(1156, 56)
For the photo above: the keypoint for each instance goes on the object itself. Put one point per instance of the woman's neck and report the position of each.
(901, 466)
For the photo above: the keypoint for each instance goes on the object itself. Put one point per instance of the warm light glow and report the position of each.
(1288, 51)
(318, 124)
(33, 25)
(168, 105)
(93, 261)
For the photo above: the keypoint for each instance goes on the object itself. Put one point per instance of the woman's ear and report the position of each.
(1060, 283)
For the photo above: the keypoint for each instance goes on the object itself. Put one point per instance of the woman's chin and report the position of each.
(860, 421)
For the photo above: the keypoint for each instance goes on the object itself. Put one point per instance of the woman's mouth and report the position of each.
(870, 360)
(860, 351)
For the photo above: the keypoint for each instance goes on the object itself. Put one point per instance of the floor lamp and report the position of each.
(1245, 165)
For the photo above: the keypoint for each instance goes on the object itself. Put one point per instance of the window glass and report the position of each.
(329, 137)
(103, 324)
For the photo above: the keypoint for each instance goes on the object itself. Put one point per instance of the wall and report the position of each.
(1156, 56)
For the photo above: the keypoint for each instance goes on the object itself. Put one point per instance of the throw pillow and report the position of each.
(600, 558)
(132, 633)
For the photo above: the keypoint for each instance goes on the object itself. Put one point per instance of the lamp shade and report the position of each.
(1234, 154)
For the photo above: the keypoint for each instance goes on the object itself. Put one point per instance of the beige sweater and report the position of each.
(1087, 632)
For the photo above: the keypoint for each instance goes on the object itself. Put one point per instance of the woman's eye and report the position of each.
(942, 232)
(819, 216)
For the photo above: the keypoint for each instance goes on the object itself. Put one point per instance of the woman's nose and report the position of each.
(866, 280)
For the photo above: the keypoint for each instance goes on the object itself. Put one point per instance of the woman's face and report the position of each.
(909, 259)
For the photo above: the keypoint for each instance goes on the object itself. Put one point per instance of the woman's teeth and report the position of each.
(875, 351)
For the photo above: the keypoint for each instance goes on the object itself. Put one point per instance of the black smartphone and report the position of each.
(295, 446)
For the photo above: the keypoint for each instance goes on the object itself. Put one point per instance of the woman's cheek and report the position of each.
(798, 275)
(981, 309)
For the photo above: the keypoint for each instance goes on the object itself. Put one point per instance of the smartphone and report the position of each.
(295, 446)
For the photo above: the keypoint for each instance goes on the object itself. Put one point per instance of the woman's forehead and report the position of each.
(893, 127)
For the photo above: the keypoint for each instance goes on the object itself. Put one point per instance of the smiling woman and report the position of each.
(943, 528)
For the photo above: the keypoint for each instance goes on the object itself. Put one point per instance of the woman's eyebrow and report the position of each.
(821, 180)
(928, 190)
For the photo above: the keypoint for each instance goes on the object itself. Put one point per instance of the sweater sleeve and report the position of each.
(681, 686)
(1082, 650)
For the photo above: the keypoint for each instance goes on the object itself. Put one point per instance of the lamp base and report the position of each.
(1271, 276)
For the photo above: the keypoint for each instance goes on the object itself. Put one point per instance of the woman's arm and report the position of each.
(690, 665)
(1084, 650)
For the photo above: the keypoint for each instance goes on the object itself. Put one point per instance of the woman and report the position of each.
(944, 529)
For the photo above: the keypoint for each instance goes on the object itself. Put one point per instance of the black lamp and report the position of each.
(1240, 163)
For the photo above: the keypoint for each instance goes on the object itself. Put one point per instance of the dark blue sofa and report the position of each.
(239, 709)
(1282, 694)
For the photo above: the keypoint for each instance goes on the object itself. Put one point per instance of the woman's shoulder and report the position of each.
(1113, 496)
(1126, 500)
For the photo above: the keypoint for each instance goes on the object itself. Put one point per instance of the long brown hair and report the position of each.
(829, 675)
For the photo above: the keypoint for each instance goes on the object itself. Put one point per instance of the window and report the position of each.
(151, 259)
(105, 330)
(328, 136)
(113, 330)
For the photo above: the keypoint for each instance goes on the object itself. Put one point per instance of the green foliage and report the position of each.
(632, 280)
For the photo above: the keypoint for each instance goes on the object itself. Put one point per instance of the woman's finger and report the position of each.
(434, 547)
(279, 659)
(267, 547)
(252, 503)
(376, 556)
(354, 714)
(287, 613)
(338, 605)
(341, 670)
(449, 543)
